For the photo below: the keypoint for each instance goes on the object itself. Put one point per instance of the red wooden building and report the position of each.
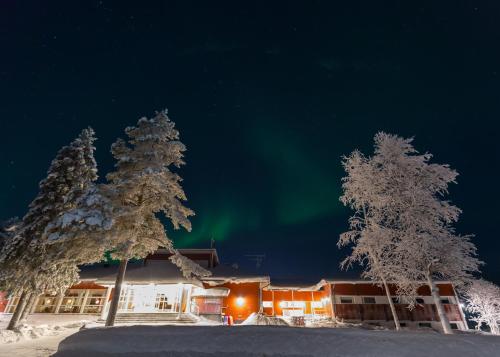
(156, 289)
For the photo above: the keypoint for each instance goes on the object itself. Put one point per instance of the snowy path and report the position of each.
(270, 341)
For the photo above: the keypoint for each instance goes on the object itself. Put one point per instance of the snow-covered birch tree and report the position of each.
(408, 200)
(26, 267)
(429, 248)
(143, 185)
(371, 241)
(483, 302)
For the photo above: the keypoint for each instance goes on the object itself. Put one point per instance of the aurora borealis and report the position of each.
(267, 97)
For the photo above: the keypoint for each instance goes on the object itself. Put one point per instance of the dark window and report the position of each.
(395, 300)
(445, 301)
(454, 326)
(419, 300)
(368, 300)
(345, 300)
(402, 324)
(425, 324)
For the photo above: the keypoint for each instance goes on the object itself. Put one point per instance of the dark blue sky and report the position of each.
(267, 96)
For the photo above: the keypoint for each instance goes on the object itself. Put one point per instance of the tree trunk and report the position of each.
(439, 306)
(113, 308)
(495, 330)
(28, 307)
(391, 304)
(14, 320)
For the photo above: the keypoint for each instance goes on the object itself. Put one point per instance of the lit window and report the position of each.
(267, 304)
(325, 300)
(317, 304)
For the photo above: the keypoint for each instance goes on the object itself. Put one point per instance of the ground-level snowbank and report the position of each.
(263, 320)
(40, 347)
(49, 319)
(253, 341)
(40, 325)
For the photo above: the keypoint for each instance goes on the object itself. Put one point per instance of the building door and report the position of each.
(144, 298)
(167, 298)
(162, 303)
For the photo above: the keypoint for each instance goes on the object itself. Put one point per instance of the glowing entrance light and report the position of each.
(240, 301)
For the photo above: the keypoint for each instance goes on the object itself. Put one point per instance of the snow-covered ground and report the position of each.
(49, 319)
(40, 347)
(40, 334)
(271, 341)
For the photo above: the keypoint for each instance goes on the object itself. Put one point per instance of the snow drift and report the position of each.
(263, 320)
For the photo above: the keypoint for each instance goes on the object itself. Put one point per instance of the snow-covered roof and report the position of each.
(226, 274)
(140, 272)
(211, 292)
(295, 284)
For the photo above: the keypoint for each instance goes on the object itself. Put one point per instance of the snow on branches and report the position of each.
(189, 268)
(26, 260)
(402, 227)
(483, 301)
(143, 185)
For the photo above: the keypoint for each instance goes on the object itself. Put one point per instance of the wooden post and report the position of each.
(84, 302)
(59, 301)
(105, 302)
(180, 297)
(33, 308)
(311, 304)
(188, 299)
(333, 302)
(272, 292)
(10, 302)
(261, 308)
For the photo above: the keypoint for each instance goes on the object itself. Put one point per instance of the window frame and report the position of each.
(363, 299)
(351, 298)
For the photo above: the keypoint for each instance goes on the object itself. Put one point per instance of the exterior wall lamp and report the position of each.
(240, 301)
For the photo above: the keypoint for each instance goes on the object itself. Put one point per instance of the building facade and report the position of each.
(154, 288)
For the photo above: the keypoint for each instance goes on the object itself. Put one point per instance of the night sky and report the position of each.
(267, 96)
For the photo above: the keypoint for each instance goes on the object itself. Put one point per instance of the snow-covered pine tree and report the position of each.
(24, 263)
(82, 234)
(371, 241)
(141, 186)
(8, 230)
(483, 301)
(410, 204)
